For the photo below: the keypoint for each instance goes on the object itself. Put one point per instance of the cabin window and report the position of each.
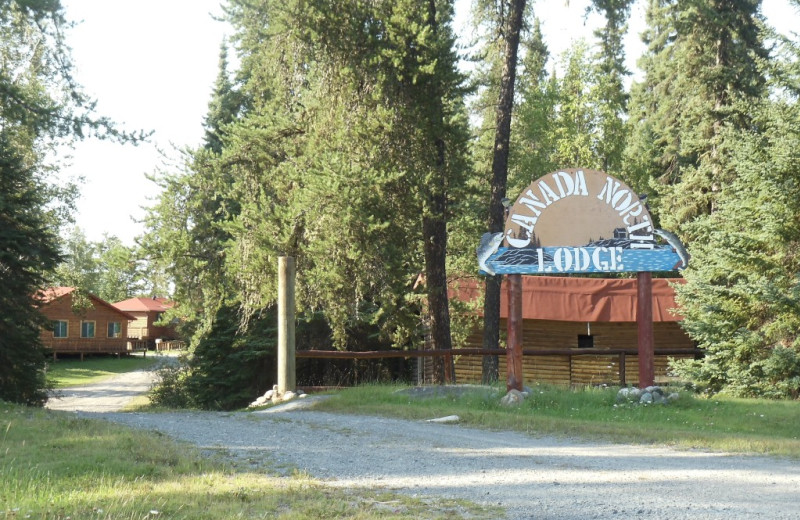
(87, 329)
(585, 341)
(114, 329)
(60, 328)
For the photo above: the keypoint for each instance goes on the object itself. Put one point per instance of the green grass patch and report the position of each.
(56, 466)
(719, 423)
(64, 373)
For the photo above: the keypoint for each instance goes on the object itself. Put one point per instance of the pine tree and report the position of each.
(532, 133)
(740, 301)
(40, 103)
(701, 75)
(609, 90)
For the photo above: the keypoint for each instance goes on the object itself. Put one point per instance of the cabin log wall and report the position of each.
(579, 369)
(61, 309)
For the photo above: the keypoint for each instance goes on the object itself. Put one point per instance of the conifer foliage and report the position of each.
(716, 142)
(40, 103)
(339, 141)
(342, 139)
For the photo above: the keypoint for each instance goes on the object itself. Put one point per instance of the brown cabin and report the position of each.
(579, 331)
(98, 328)
(146, 313)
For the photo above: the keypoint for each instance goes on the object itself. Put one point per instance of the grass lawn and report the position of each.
(719, 423)
(74, 372)
(56, 466)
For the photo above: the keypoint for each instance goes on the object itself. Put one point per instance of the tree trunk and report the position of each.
(434, 233)
(502, 137)
(491, 329)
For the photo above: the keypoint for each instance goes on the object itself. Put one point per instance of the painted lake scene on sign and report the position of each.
(570, 260)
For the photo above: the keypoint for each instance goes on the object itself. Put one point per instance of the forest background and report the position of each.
(348, 137)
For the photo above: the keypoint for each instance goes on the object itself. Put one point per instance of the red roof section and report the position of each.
(562, 298)
(144, 305)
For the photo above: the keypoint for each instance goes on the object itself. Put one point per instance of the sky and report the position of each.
(151, 65)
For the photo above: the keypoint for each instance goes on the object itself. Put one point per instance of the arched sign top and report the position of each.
(580, 208)
(579, 221)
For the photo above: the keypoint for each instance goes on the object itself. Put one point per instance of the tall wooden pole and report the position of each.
(644, 320)
(286, 347)
(514, 327)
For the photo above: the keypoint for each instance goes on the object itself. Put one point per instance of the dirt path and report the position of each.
(109, 395)
(530, 477)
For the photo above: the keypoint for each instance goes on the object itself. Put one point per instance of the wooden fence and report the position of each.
(613, 356)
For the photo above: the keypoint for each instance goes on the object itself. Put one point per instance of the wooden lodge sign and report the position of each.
(579, 221)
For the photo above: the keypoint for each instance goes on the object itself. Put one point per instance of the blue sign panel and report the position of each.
(565, 260)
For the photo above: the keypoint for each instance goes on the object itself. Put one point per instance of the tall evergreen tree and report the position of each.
(532, 144)
(609, 92)
(717, 143)
(338, 144)
(186, 235)
(40, 103)
(740, 301)
(701, 74)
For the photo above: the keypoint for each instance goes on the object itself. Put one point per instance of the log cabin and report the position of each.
(581, 331)
(96, 328)
(147, 312)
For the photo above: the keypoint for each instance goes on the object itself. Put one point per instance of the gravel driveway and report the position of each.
(531, 477)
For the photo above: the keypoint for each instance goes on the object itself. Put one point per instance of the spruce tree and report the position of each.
(28, 251)
(701, 75)
(740, 302)
(740, 299)
(717, 142)
(532, 136)
(40, 105)
(609, 92)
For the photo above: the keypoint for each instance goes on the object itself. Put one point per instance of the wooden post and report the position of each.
(514, 328)
(644, 320)
(449, 376)
(286, 347)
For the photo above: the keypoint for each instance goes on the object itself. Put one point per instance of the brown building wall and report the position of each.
(143, 327)
(61, 309)
(579, 369)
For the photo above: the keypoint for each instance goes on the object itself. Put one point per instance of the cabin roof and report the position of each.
(561, 298)
(144, 305)
(51, 294)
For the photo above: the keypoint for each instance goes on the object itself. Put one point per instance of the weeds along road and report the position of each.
(530, 477)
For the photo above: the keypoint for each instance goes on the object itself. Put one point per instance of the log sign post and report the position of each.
(286, 315)
(579, 221)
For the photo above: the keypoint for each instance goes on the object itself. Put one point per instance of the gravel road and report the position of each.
(530, 477)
